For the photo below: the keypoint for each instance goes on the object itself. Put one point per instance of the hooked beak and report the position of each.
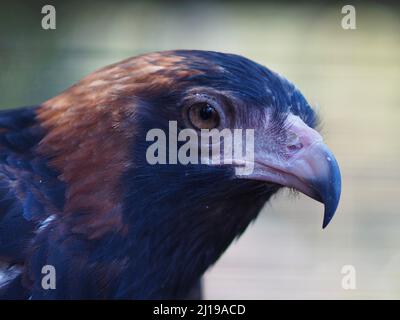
(308, 166)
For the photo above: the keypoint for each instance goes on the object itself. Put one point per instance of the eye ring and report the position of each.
(203, 115)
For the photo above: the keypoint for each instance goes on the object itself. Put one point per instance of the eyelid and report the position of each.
(201, 97)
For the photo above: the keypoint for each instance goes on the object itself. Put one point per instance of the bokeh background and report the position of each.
(352, 77)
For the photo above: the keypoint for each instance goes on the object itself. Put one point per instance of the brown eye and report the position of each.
(204, 116)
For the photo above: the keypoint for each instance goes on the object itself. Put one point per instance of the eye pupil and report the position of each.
(203, 115)
(206, 112)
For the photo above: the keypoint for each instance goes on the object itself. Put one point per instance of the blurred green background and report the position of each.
(352, 77)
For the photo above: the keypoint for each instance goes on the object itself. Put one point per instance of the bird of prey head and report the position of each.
(79, 193)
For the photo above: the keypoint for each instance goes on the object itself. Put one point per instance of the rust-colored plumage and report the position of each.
(89, 130)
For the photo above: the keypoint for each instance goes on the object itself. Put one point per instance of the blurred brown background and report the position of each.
(351, 76)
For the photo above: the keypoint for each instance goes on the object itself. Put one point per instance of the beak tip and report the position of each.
(331, 204)
(330, 190)
(327, 220)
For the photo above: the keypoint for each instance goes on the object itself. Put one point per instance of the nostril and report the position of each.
(295, 147)
(293, 142)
